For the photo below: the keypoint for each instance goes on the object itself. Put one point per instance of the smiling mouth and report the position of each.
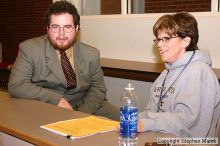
(163, 51)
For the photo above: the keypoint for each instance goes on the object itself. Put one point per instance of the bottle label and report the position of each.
(128, 121)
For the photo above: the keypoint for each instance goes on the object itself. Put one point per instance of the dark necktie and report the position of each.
(68, 70)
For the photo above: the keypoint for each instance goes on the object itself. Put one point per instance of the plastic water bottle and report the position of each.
(128, 117)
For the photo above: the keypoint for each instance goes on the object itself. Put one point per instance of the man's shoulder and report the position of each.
(34, 41)
(34, 46)
(85, 48)
(86, 51)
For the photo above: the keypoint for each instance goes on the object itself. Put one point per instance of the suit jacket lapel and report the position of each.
(53, 62)
(78, 64)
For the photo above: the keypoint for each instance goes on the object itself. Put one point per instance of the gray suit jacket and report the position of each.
(37, 74)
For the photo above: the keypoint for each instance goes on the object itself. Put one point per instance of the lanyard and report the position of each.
(162, 96)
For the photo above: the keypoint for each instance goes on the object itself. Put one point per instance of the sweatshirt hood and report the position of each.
(200, 55)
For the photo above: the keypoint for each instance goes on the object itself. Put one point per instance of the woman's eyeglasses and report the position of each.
(164, 39)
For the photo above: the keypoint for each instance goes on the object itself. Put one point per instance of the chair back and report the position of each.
(0, 52)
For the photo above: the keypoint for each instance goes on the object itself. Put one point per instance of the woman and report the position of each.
(184, 100)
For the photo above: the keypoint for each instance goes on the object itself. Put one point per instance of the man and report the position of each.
(42, 69)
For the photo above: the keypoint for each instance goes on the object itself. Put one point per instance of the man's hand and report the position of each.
(65, 104)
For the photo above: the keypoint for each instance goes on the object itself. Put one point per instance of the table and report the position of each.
(22, 118)
(135, 70)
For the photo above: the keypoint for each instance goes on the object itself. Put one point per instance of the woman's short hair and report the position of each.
(181, 24)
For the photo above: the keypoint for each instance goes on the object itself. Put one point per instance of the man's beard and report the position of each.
(61, 47)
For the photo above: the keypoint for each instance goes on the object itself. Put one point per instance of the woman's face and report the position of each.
(171, 47)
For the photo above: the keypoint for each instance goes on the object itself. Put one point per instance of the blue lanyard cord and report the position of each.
(162, 96)
(160, 101)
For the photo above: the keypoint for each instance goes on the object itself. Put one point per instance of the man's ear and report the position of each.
(187, 41)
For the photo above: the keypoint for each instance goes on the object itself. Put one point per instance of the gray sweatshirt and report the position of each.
(189, 104)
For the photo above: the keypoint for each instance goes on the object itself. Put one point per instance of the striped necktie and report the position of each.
(68, 70)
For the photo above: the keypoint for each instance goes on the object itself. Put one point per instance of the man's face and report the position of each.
(61, 31)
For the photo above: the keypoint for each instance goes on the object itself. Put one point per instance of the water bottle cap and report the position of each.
(129, 87)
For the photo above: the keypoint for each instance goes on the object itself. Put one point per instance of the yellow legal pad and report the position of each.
(77, 128)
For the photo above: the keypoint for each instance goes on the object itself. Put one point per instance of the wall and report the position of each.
(110, 6)
(161, 6)
(20, 20)
(130, 37)
(87, 7)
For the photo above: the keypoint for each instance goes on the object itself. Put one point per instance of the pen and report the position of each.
(68, 136)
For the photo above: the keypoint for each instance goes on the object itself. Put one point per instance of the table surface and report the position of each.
(22, 118)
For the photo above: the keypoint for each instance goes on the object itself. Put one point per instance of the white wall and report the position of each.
(129, 37)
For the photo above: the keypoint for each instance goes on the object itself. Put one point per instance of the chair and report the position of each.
(5, 69)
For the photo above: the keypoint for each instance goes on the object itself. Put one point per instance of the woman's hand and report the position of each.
(140, 127)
